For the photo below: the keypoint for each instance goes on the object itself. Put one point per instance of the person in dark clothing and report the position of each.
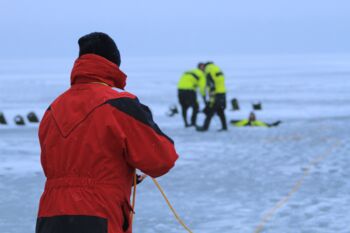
(187, 87)
(217, 93)
(92, 139)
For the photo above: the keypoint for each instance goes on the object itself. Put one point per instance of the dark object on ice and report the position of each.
(2, 119)
(235, 105)
(32, 117)
(101, 44)
(19, 120)
(172, 111)
(275, 124)
(257, 106)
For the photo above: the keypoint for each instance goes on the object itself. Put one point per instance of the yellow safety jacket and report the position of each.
(245, 122)
(241, 123)
(193, 79)
(259, 124)
(215, 79)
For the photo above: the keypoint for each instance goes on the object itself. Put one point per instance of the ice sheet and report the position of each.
(223, 182)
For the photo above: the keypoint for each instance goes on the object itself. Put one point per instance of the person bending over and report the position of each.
(188, 85)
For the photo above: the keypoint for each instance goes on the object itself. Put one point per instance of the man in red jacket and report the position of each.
(92, 139)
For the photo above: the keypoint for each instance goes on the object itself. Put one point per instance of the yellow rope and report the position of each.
(268, 216)
(133, 199)
(170, 206)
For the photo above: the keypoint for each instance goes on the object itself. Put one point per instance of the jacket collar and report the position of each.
(93, 68)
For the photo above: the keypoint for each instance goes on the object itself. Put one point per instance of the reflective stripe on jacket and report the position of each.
(246, 122)
(215, 79)
(193, 79)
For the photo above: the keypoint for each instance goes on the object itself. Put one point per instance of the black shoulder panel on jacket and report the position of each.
(193, 74)
(138, 111)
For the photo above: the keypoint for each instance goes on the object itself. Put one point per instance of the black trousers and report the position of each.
(219, 108)
(71, 224)
(188, 99)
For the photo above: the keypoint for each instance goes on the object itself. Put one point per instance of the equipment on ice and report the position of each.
(32, 117)
(257, 106)
(19, 120)
(2, 119)
(172, 111)
(234, 104)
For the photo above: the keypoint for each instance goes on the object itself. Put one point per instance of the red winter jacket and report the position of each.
(92, 138)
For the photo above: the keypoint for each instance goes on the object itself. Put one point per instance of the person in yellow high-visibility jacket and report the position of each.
(217, 93)
(252, 121)
(187, 86)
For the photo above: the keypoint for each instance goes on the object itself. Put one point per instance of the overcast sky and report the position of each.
(42, 28)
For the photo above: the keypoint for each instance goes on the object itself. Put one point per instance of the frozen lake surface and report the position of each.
(223, 182)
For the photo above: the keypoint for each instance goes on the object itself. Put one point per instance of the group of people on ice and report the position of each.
(209, 80)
